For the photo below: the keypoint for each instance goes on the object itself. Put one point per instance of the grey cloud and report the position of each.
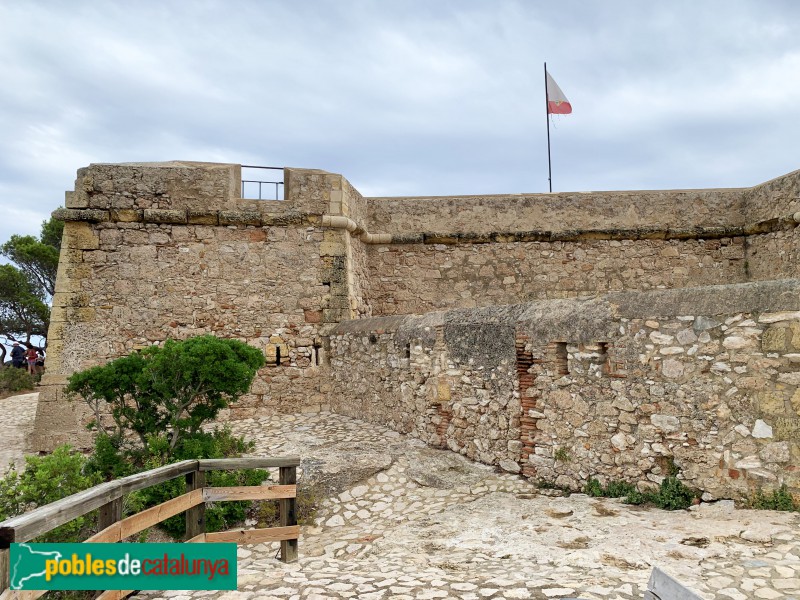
(403, 98)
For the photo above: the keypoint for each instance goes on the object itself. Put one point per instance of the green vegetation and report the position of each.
(562, 455)
(166, 391)
(46, 479)
(16, 380)
(27, 285)
(614, 489)
(220, 443)
(159, 401)
(672, 494)
(780, 499)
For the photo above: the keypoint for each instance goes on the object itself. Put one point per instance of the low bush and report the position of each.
(672, 494)
(13, 380)
(111, 462)
(614, 489)
(46, 479)
(780, 499)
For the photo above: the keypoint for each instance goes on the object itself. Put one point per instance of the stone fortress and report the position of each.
(561, 336)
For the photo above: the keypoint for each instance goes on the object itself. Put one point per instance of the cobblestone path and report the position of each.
(413, 522)
(405, 521)
(16, 423)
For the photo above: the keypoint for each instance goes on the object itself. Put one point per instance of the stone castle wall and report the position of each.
(618, 387)
(418, 278)
(142, 262)
(162, 250)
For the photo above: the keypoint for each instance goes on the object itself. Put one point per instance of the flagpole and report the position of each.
(547, 116)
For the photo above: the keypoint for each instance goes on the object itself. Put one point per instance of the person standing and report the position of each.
(17, 356)
(31, 356)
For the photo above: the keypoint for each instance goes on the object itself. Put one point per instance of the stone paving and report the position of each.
(406, 521)
(16, 424)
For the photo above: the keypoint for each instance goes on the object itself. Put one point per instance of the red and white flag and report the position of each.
(557, 103)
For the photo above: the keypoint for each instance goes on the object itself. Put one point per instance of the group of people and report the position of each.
(31, 358)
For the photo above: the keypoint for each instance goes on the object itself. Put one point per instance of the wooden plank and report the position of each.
(288, 514)
(30, 525)
(195, 516)
(4, 570)
(664, 587)
(200, 538)
(249, 492)
(110, 513)
(16, 595)
(147, 518)
(230, 464)
(114, 594)
(254, 536)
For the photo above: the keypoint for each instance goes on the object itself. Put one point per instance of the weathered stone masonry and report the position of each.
(615, 387)
(573, 341)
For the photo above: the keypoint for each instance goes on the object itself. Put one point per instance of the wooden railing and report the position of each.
(108, 498)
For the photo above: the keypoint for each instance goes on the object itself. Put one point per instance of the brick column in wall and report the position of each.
(444, 415)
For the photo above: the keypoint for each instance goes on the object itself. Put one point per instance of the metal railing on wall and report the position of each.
(256, 188)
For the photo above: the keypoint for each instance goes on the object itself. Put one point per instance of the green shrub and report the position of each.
(220, 443)
(172, 389)
(562, 455)
(671, 495)
(594, 488)
(159, 399)
(45, 480)
(614, 489)
(780, 499)
(16, 380)
(619, 489)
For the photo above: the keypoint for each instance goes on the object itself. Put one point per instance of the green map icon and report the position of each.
(27, 565)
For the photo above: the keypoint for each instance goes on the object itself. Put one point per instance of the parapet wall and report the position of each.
(616, 387)
(561, 212)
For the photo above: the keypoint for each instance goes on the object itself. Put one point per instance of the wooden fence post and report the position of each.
(288, 513)
(110, 513)
(195, 516)
(4, 570)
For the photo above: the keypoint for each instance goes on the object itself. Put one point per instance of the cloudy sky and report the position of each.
(403, 97)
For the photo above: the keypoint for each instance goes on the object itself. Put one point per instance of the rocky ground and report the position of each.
(405, 521)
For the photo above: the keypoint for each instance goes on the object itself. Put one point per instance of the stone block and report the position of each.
(776, 338)
(239, 218)
(332, 249)
(83, 314)
(334, 315)
(761, 430)
(779, 316)
(126, 215)
(80, 236)
(312, 316)
(672, 369)
(771, 402)
(202, 217)
(666, 423)
(776, 452)
(166, 216)
(76, 199)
